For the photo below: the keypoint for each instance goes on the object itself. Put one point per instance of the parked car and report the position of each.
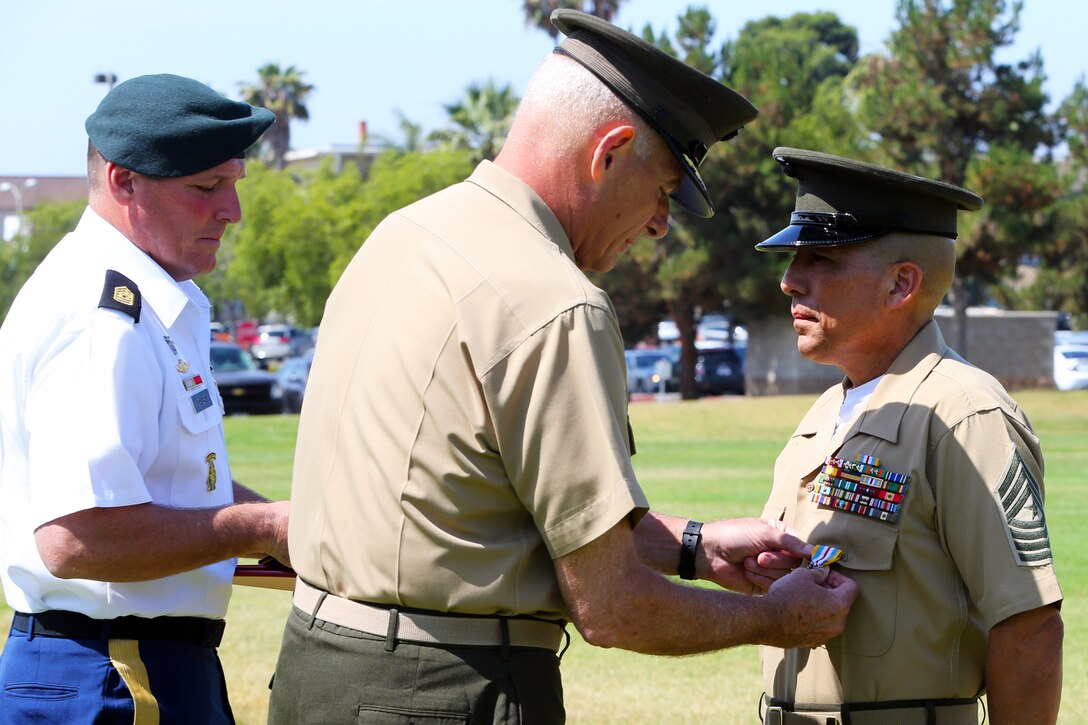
(645, 369)
(1070, 366)
(292, 376)
(244, 387)
(221, 333)
(719, 370)
(276, 343)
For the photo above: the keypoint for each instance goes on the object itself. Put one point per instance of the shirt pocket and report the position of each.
(869, 561)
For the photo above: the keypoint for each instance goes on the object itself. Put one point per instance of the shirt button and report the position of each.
(810, 487)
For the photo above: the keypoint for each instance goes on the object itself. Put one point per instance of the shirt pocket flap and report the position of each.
(869, 544)
(773, 512)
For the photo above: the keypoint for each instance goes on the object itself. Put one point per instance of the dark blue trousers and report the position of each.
(99, 681)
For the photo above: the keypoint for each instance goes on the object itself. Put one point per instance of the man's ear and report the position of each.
(617, 140)
(906, 283)
(120, 182)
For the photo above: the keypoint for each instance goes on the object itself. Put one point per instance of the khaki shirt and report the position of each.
(933, 582)
(465, 419)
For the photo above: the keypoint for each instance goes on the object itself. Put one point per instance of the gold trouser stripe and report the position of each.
(125, 655)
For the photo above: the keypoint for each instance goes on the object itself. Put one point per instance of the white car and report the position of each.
(1070, 366)
(648, 368)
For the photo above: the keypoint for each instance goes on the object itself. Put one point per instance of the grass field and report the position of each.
(706, 459)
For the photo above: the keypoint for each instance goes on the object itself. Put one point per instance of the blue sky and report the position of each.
(366, 58)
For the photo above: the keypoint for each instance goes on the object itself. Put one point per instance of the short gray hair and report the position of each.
(569, 103)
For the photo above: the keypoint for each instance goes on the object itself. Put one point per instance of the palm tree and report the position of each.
(285, 94)
(538, 12)
(481, 120)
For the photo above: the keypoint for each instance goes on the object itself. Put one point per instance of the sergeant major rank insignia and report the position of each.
(121, 293)
(861, 487)
(1021, 501)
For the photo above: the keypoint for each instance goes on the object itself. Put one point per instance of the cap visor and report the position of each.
(692, 194)
(796, 236)
(693, 199)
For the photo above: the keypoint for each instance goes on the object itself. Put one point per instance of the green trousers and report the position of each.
(332, 674)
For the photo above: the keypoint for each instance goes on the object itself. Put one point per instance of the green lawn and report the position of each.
(706, 459)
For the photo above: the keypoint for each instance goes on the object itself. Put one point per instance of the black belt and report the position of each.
(72, 625)
(847, 708)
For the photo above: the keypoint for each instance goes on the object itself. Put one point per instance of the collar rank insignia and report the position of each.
(121, 293)
(824, 556)
(861, 487)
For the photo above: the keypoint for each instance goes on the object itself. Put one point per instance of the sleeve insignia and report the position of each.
(1021, 502)
(121, 293)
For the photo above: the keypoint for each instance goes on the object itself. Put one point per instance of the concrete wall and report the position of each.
(1015, 347)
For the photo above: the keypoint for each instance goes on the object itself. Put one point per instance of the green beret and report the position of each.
(169, 126)
(689, 109)
(842, 201)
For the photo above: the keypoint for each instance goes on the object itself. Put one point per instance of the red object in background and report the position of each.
(245, 333)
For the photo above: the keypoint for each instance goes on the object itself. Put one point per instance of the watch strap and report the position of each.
(689, 544)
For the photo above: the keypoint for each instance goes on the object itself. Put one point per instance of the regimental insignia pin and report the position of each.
(170, 342)
(861, 487)
(124, 296)
(824, 556)
(183, 366)
(210, 460)
(202, 400)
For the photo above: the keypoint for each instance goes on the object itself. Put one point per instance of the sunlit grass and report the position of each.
(706, 459)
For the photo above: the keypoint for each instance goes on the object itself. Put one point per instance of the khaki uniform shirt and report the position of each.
(969, 548)
(465, 420)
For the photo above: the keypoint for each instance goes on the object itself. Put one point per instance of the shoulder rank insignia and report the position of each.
(1021, 501)
(121, 293)
(861, 487)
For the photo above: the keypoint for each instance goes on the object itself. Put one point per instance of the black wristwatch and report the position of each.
(689, 544)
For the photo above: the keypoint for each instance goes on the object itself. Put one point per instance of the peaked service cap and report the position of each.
(842, 201)
(689, 110)
(169, 126)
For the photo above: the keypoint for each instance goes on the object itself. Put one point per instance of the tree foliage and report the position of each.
(48, 223)
(480, 120)
(285, 93)
(298, 233)
(1062, 281)
(944, 107)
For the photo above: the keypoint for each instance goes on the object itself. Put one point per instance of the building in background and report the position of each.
(20, 194)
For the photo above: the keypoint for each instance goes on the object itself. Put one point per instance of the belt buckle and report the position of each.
(774, 716)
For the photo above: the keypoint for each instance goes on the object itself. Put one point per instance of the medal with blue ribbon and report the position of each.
(824, 556)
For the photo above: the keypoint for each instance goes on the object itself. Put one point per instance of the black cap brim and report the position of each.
(797, 236)
(688, 109)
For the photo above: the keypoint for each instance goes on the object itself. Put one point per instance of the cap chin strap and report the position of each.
(839, 222)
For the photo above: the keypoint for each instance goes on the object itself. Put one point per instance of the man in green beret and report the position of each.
(120, 520)
(919, 466)
(463, 482)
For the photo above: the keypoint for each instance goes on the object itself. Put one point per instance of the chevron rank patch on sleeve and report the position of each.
(1021, 501)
